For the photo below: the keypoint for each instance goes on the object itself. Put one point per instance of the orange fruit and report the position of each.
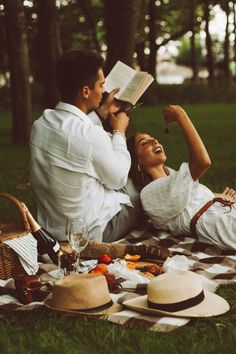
(102, 267)
(96, 271)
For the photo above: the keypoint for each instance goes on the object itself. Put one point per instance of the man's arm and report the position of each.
(110, 155)
(111, 159)
(108, 106)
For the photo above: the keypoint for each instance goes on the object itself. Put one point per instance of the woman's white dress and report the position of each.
(172, 201)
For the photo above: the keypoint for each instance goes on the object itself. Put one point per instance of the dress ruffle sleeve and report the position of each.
(164, 198)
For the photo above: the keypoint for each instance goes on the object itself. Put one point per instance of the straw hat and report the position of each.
(83, 294)
(178, 294)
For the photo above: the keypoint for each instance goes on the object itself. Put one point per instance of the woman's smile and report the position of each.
(157, 150)
(149, 151)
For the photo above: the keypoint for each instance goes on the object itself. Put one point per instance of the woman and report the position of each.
(175, 200)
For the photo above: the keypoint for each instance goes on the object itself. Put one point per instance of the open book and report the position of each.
(132, 83)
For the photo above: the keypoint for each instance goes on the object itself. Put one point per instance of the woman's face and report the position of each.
(149, 152)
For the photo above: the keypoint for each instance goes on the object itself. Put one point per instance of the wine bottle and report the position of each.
(46, 243)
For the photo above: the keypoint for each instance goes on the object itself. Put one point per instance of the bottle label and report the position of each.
(56, 247)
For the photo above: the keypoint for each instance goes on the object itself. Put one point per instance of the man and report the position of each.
(76, 167)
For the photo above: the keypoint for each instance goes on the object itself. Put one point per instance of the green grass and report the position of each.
(41, 331)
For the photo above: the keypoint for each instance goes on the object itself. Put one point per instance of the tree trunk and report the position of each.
(193, 42)
(50, 49)
(234, 12)
(18, 58)
(152, 60)
(87, 11)
(121, 18)
(210, 63)
(141, 56)
(226, 44)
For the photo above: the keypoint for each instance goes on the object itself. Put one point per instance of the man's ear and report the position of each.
(85, 91)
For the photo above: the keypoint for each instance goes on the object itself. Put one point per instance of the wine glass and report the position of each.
(78, 238)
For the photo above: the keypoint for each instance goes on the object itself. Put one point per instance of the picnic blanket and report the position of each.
(186, 253)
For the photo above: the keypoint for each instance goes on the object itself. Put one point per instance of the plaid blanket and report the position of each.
(208, 261)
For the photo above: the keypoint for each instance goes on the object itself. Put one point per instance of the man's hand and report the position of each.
(119, 121)
(109, 106)
(172, 113)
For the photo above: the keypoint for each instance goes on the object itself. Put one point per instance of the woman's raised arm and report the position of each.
(199, 160)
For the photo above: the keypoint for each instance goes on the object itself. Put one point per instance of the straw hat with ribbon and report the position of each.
(178, 294)
(83, 294)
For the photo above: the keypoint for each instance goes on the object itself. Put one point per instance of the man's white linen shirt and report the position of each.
(76, 168)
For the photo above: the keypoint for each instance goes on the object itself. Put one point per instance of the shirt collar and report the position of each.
(72, 109)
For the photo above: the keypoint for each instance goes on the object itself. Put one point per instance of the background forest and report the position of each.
(34, 33)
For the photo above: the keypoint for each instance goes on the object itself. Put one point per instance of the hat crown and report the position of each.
(80, 292)
(178, 294)
(174, 287)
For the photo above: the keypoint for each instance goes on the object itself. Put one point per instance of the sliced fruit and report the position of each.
(153, 269)
(132, 257)
(131, 265)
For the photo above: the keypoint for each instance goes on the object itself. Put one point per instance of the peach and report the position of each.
(105, 258)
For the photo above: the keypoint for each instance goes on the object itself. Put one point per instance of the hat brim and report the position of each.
(212, 305)
(112, 309)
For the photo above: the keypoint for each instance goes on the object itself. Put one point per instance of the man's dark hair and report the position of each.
(75, 69)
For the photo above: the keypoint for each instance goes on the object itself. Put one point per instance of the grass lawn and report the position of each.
(42, 331)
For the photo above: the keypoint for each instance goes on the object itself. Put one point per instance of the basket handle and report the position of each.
(18, 205)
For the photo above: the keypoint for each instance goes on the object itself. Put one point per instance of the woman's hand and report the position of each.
(199, 160)
(228, 194)
(172, 113)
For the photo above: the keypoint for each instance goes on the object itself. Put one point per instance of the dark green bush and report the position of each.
(190, 92)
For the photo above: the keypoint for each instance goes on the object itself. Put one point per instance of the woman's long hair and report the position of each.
(139, 177)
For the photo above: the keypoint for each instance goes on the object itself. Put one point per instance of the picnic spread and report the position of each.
(214, 265)
(149, 279)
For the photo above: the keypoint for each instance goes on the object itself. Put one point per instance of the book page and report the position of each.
(133, 86)
(136, 87)
(119, 76)
(143, 86)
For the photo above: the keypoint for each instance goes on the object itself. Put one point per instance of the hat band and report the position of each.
(178, 306)
(98, 308)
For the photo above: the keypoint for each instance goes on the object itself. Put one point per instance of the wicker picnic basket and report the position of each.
(8, 258)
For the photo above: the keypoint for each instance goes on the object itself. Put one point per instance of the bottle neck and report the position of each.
(34, 226)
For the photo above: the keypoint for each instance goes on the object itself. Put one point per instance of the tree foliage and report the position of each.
(184, 55)
(132, 31)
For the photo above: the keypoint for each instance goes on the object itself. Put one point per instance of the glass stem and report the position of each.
(78, 262)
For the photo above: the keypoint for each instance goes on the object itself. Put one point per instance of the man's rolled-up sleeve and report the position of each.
(111, 159)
